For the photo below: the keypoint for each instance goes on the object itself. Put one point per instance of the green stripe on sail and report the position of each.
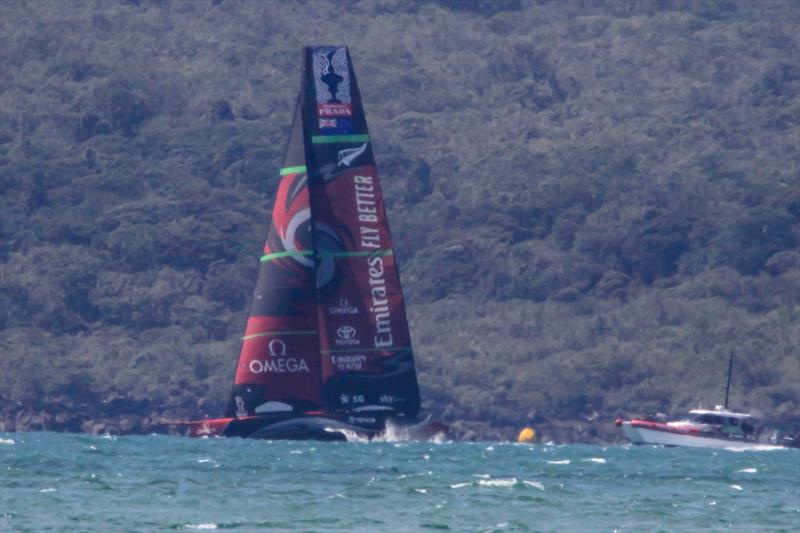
(369, 253)
(327, 139)
(293, 170)
(356, 350)
(290, 253)
(323, 254)
(275, 333)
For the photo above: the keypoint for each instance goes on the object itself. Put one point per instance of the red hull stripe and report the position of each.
(659, 426)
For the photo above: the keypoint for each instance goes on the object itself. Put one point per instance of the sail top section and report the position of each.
(333, 111)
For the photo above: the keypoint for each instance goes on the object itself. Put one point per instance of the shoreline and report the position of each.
(17, 419)
(121, 416)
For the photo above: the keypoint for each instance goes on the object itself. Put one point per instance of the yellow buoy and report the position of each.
(526, 435)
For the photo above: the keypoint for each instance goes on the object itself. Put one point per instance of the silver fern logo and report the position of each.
(348, 155)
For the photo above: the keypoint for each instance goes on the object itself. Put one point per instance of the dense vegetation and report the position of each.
(592, 203)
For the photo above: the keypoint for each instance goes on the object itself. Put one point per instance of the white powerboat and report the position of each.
(703, 428)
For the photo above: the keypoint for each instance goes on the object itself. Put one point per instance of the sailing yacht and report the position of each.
(327, 351)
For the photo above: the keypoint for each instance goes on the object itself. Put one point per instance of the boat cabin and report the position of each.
(727, 421)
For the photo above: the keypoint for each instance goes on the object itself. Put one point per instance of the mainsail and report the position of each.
(327, 326)
(279, 365)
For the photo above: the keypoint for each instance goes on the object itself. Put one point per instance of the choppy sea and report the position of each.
(68, 482)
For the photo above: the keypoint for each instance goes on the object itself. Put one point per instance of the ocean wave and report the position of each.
(351, 436)
(397, 433)
(534, 484)
(756, 448)
(509, 482)
(500, 482)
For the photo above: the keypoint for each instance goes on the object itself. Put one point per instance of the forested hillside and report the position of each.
(592, 203)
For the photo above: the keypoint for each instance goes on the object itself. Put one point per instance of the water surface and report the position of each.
(67, 482)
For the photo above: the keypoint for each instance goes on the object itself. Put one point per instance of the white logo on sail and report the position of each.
(344, 308)
(280, 361)
(349, 362)
(277, 348)
(331, 61)
(346, 332)
(289, 239)
(332, 82)
(241, 410)
(351, 398)
(348, 155)
(346, 336)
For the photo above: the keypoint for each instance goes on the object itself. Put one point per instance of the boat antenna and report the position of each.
(728, 386)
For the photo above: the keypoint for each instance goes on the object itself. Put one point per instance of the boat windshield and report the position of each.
(728, 424)
(717, 420)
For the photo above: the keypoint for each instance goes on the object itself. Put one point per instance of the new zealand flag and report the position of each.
(336, 125)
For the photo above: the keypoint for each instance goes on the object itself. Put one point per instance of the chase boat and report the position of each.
(719, 428)
(702, 428)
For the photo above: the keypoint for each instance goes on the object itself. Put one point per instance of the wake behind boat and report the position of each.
(326, 352)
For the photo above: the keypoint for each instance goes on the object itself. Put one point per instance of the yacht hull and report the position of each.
(315, 426)
(655, 433)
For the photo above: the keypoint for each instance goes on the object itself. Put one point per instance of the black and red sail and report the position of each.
(327, 327)
(279, 365)
(365, 345)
